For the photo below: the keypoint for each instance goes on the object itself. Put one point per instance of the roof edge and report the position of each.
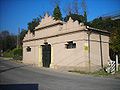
(98, 30)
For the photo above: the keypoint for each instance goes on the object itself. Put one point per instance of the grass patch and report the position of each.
(100, 73)
(81, 72)
(97, 73)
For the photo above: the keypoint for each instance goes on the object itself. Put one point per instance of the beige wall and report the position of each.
(105, 50)
(76, 58)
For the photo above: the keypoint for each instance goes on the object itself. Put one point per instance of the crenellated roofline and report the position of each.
(48, 21)
(48, 27)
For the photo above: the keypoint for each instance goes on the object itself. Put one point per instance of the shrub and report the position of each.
(8, 54)
(17, 53)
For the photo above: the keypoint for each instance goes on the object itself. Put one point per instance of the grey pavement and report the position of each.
(48, 79)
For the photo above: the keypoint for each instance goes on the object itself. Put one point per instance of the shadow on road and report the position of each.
(19, 87)
(1, 71)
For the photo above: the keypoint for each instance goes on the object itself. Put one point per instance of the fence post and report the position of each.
(116, 62)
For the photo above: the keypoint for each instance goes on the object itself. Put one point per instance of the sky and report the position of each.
(16, 14)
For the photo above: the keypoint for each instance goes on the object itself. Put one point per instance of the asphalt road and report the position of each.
(47, 79)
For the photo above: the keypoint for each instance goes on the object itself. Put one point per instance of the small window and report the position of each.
(70, 45)
(28, 49)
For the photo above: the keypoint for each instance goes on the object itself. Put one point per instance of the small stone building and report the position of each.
(66, 45)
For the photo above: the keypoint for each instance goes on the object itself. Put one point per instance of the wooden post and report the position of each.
(18, 38)
(89, 32)
(52, 62)
(40, 56)
(101, 54)
(116, 62)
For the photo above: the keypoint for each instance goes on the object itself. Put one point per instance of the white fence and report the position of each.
(112, 66)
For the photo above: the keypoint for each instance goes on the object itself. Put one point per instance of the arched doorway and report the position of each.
(46, 55)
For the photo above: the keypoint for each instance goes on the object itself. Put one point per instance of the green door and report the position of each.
(46, 55)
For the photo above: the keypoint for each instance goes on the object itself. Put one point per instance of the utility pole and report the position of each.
(18, 39)
(84, 6)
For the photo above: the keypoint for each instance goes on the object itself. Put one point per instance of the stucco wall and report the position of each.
(105, 49)
(76, 58)
(95, 51)
(64, 57)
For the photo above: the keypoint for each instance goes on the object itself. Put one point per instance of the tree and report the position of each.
(22, 35)
(55, 2)
(115, 36)
(33, 24)
(75, 7)
(77, 17)
(57, 13)
(115, 41)
(97, 23)
(73, 11)
(68, 8)
(84, 9)
(104, 24)
(85, 17)
(7, 41)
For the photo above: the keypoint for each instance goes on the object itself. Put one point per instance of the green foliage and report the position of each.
(101, 72)
(77, 17)
(115, 41)
(97, 23)
(17, 53)
(57, 13)
(22, 35)
(33, 24)
(85, 17)
(8, 54)
(7, 41)
(104, 24)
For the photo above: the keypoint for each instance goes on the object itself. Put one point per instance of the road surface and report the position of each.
(47, 79)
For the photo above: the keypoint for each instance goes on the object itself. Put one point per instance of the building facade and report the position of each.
(66, 45)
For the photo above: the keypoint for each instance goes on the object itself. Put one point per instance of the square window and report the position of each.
(70, 45)
(28, 49)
